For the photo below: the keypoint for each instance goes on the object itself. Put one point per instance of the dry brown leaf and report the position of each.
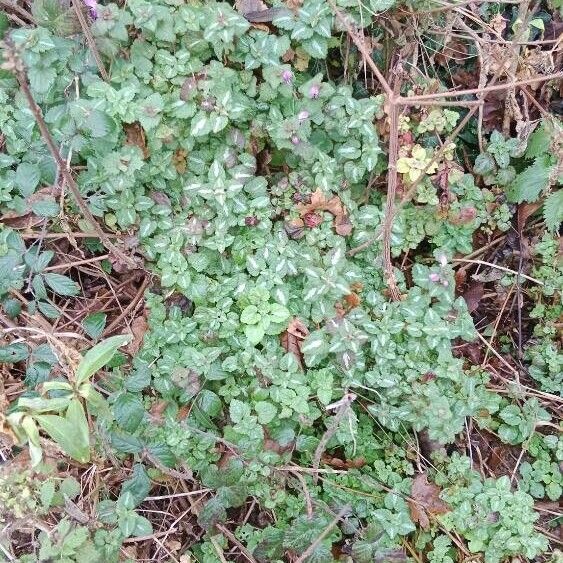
(334, 205)
(135, 136)
(425, 501)
(473, 295)
(139, 327)
(293, 337)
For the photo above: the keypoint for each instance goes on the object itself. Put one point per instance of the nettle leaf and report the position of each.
(45, 207)
(13, 353)
(529, 184)
(138, 485)
(238, 411)
(62, 285)
(129, 411)
(94, 324)
(266, 411)
(27, 178)
(212, 513)
(553, 211)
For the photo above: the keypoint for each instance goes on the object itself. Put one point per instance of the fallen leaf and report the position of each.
(293, 337)
(425, 501)
(157, 410)
(135, 136)
(334, 206)
(525, 210)
(473, 295)
(26, 219)
(139, 327)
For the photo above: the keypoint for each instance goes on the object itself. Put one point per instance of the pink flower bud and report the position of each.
(434, 277)
(92, 8)
(295, 140)
(314, 91)
(445, 283)
(287, 76)
(303, 115)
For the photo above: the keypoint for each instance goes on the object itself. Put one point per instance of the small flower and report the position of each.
(92, 8)
(445, 283)
(314, 91)
(434, 277)
(303, 115)
(287, 76)
(251, 221)
(443, 259)
(295, 140)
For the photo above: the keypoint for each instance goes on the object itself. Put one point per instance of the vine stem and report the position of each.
(22, 78)
(90, 40)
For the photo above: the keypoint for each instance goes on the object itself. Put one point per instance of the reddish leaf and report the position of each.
(425, 501)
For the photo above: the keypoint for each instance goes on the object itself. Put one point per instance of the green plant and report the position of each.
(69, 429)
(494, 519)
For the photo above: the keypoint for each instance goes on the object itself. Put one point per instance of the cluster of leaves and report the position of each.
(526, 169)
(241, 168)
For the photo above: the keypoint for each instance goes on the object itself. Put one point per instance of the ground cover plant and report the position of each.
(280, 281)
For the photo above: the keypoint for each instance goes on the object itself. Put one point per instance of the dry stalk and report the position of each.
(90, 40)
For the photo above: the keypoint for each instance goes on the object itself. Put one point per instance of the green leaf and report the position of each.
(50, 311)
(538, 143)
(4, 24)
(529, 184)
(128, 411)
(142, 527)
(12, 353)
(138, 485)
(27, 178)
(70, 487)
(47, 492)
(238, 411)
(254, 333)
(212, 513)
(553, 211)
(62, 285)
(250, 315)
(45, 207)
(98, 356)
(94, 324)
(266, 411)
(70, 433)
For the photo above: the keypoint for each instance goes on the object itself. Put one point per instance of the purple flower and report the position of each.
(287, 76)
(92, 8)
(295, 140)
(314, 91)
(303, 115)
(434, 277)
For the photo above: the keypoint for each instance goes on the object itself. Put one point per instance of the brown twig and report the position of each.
(90, 40)
(21, 75)
(332, 524)
(17, 8)
(390, 202)
(345, 403)
(129, 308)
